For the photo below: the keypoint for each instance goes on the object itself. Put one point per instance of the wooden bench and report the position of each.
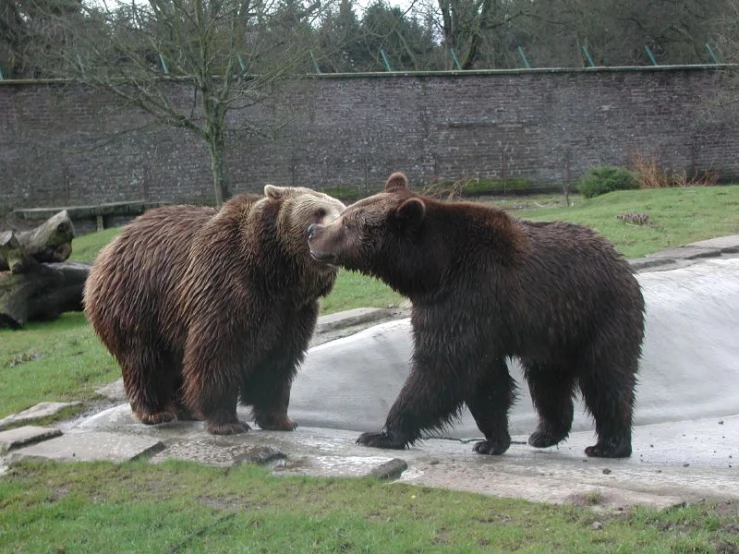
(91, 218)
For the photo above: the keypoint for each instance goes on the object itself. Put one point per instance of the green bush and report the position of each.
(607, 178)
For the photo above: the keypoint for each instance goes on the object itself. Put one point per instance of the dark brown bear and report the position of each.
(202, 308)
(484, 287)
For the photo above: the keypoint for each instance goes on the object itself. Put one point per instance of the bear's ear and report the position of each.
(396, 181)
(411, 213)
(273, 193)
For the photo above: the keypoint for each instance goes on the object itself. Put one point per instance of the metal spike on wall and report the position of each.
(385, 60)
(524, 58)
(587, 56)
(315, 63)
(455, 59)
(713, 55)
(165, 69)
(650, 55)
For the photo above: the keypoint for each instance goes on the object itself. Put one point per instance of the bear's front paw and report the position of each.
(495, 447)
(230, 428)
(543, 439)
(156, 418)
(383, 439)
(277, 424)
(609, 449)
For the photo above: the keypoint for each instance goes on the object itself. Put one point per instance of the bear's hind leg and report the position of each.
(489, 403)
(149, 382)
(552, 389)
(269, 406)
(608, 392)
(211, 378)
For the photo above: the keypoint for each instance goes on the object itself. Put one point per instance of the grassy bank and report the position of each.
(676, 216)
(183, 507)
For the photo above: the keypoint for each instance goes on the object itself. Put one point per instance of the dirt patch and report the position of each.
(727, 508)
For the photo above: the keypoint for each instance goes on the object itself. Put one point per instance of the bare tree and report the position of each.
(477, 30)
(228, 54)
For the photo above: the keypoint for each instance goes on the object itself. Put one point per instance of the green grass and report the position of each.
(184, 507)
(86, 247)
(678, 216)
(59, 361)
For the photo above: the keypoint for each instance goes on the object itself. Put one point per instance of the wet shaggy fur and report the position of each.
(204, 308)
(485, 287)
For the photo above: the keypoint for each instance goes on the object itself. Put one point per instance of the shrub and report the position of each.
(607, 178)
(651, 176)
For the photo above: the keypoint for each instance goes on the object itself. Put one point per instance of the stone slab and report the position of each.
(349, 318)
(34, 413)
(728, 244)
(113, 391)
(688, 252)
(648, 263)
(85, 447)
(219, 452)
(23, 436)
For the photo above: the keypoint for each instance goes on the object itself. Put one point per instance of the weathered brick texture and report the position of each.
(64, 144)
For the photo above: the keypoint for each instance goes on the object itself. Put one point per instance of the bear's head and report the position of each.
(380, 236)
(416, 244)
(299, 208)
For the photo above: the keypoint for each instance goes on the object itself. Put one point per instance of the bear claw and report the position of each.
(231, 428)
(156, 418)
(542, 439)
(277, 424)
(492, 447)
(380, 440)
(621, 450)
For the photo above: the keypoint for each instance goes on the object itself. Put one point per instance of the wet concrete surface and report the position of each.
(672, 463)
(686, 438)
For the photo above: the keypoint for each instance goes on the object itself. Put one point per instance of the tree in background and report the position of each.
(30, 23)
(479, 30)
(229, 53)
(616, 32)
(349, 43)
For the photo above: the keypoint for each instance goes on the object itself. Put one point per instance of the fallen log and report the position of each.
(42, 293)
(36, 281)
(50, 242)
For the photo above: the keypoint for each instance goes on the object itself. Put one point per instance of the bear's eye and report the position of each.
(320, 213)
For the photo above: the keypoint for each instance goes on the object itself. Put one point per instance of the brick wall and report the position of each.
(65, 144)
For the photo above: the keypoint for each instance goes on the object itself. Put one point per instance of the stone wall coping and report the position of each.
(451, 73)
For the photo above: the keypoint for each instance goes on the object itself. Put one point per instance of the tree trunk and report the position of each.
(219, 167)
(42, 293)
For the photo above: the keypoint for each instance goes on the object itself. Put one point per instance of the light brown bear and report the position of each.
(202, 308)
